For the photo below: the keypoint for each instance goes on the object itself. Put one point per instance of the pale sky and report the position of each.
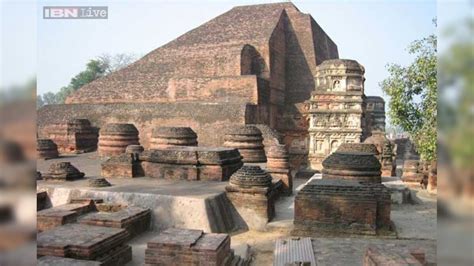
(372, 32)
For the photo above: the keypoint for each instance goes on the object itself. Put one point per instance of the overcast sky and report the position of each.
(372, 32)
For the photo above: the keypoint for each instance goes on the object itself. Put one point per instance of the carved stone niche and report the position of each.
(339, 75)
(353, 161)
(251, 192)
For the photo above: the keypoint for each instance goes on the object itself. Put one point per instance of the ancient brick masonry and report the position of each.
(353, 162)
(61, 215)
(46, 149)
(114, 138)
(135, 220)
(184, 247)
(73, 136)
(385, 152)
(380, 256)
(124, 165)
(249, 141)
(98, 182)
(254, 64)
(77, 241)
(375, 124)
(179, 163)
(411, 172)
(336, 108)
(62, 171)
(191, 163)
(278, 167)
(252, 193)
(375, 113)
(162, 137)
(350, 198)
(342, 206)
(88, 229)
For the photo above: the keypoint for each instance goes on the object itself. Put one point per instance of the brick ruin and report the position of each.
(335, 206)
(177, 246)
(46, 149)
(176, 162)
(72, 136)
(162, 137)
(336, 108)
(386, 154)
(375, 113)
(278, 167)
(249, 141)
(84, 242)
(115, 137)
(411, 171)
(353, 162)
(252, 192)
(62, 171)
(88, 230)
(261, 70)
(349, 199)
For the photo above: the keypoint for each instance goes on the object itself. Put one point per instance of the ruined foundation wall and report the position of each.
(209, 121)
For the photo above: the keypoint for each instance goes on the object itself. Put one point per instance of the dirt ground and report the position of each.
(415, 223)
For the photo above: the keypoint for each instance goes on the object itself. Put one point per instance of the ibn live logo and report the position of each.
(75, 12)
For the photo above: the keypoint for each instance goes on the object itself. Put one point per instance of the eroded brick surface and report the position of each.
(80, 241)
(134, 219)
(342, 206)
(188, 247)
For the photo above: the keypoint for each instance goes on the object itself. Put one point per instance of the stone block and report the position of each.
(342, 206)
(135, 220)
(60, 215)
(114, 138)
(188, 247)
(86, 242)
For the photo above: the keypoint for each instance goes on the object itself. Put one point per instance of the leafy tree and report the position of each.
(49, 98)
(456, 82)
(95, 69)
(413, 95)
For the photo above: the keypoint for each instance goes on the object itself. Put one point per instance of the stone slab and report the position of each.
(80, 241)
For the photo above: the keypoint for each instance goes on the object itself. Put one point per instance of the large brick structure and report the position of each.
(72, 135)
(342, 206)
(251, 65)
(349, 199)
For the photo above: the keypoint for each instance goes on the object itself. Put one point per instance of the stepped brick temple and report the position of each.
(254, 64)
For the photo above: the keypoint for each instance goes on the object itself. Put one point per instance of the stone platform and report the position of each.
(174, 203)
(197, 205)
